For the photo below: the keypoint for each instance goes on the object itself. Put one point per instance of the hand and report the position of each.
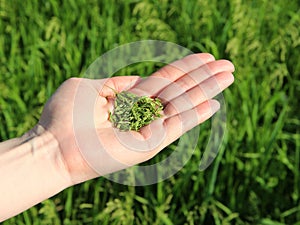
(78, 114)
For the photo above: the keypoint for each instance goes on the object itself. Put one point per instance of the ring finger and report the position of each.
(199, 94)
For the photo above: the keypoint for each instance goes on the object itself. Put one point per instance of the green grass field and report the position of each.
(255, 178)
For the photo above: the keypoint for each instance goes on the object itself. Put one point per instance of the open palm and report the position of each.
(78, 114)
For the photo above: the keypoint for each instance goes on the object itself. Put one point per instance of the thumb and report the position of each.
(109, 87)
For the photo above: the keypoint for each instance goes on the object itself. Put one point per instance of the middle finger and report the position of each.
(194, 78)
(199, 94)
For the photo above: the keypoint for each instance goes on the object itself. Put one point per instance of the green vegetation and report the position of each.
(132, 112)
(255, 178)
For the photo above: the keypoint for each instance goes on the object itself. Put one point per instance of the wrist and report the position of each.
(73, 164)
(31, 172)
(47, 147)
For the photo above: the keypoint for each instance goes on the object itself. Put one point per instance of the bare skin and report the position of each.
(49, 158)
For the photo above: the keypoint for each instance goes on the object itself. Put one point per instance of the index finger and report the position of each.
(177, 69)
(170, 73)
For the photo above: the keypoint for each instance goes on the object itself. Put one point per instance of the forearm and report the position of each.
(30, 172)
(10, 144)
(14, 142)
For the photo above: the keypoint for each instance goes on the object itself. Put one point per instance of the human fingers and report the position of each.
(180, 123)
(110, 86)
(199, 94)
(178, 68)
(169, 73)
(166, 130)
(195, 78)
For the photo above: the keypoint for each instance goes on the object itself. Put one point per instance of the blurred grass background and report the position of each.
(255, 179)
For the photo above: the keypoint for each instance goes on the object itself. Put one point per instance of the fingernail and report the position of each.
(227, 80)
(214, 105)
